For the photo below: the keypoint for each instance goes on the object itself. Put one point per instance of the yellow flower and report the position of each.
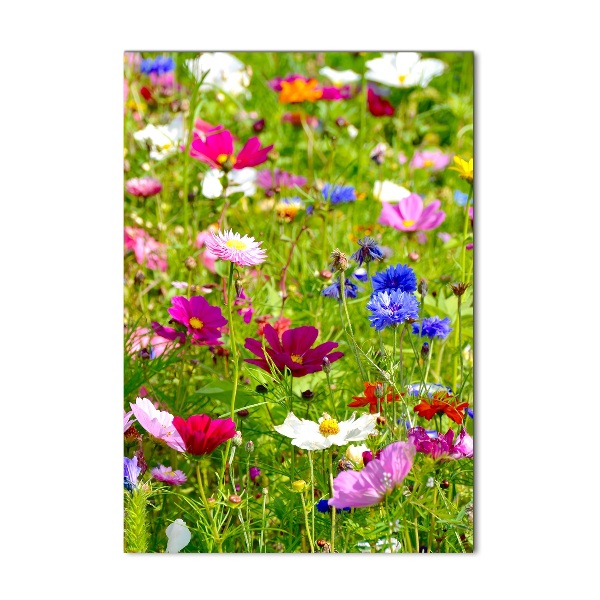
(464, 169)
(299, 91)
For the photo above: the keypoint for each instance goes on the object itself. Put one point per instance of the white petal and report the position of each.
(211, 185)
(386, 191)
(179, 536)
(340, 77)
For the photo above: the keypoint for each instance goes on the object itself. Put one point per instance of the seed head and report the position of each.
(339, 261)
(190, 263)
(459, 288)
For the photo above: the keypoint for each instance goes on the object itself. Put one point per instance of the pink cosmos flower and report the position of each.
(143, 187)
(242, 251)
(204, 321)
(430, 159)
(246, 311)
(147, 250)
(409, 214)
(168, 333)
(217, 150)
(267, 180)
(158, 423)
(127, 420)
(167, 475)
(381, 475)
(440, 446)
(153, 343)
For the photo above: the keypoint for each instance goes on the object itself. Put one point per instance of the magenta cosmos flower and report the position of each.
(380, 477)
(167, 475)
(294, 351)
(144, 187)
(147, 250)
(242, 251)
(203, 320)
(409, 214)
(158, 423)
(441, 446)
(430, 159)
(201, 434)
(217, 150)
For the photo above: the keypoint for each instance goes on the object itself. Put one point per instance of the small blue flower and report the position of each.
(433, 327)
(323, 506)
(361, 274)
(400, 278)
(159, 65)
(469, 411)
(333, 290)
(131, 473)
(460, 198)
(392, 308)
(430, 388)
(337, 194)
(368, 251)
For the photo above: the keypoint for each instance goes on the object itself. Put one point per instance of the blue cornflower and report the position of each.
(158, 65)
(392, 308)
(469, 411)
(323, 506)
(368, 251)
(361, 274)
(131, 473)
(433, 327)
(333, 290)
(400, 278)
(460, 198)
(430, 388)
(336, 194)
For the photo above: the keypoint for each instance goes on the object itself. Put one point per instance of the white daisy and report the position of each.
(403, 69)
(327, 432)
(225, 72)
(340, 77)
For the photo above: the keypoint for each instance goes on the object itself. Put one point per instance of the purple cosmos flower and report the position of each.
(368, 251)
(440, 446)
(409, 214)
(242, 251)
(167, 475)
(254, 473)
(400, 278)
(433, 327)
(338, 194)
(203, 320)
(131, 473)
(333, 290)
(378, 478)
(293, 351)
(392, 308)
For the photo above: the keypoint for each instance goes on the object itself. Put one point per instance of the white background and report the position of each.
(536, 242)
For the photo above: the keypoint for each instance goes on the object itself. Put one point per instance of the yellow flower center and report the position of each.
(329, 427)
(223, 158)
(296, 358)
(428, 163)
(402, 78)
(408, 223)
(236, 244)
(196, 323)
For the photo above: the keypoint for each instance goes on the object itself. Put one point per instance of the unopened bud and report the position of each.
(299, 485)
(261, 389)
(141, 461)
(238, 287)
(339, 261)
(422, 287)
(237, 439)
(258, 126)
(307, 394)
(379, 390)
(190, 263)
(326, 365)
(249, 446)
(243, 413)
(326, 274)
(414, 256)
(139, 277)
(381, 421)
(234, 500)
(424, 350)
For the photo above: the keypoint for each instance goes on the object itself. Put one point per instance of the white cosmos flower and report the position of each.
(225, 72)
(327, 432)
(403, 69)
(179, 536)
(355, 453)
(240, 180)
(165, 139)
(340, 77)
(386, 191)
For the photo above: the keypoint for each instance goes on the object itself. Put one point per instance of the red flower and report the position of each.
(217, 150)
(294, 351)
(439, 405)
(378, 106)
(370, 398)
(201, 434)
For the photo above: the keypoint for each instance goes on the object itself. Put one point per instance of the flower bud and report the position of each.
(237, 439)
(139, 277)
(326, 274)
(243, 413)
(234, 501)
(250, 447)
(422, 288)
(424, 350)
(381, 421)
(326, 365)
(259, 125)
(261, 389)
(445, 484)
(414, 256)
(307, 394)
(299, 485)
(190, 263)
(238, 288)
(379, 390)
(339, 261)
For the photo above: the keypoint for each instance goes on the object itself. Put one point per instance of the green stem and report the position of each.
(312, 492)
(208, 510)
(465, 231)
(333, 509)
(310, 539)
(350, 331)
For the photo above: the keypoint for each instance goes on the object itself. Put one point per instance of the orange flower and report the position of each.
(299, 91)
(440, 405)
(371, 399)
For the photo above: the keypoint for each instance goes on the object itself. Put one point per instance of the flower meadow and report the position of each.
(298, 302)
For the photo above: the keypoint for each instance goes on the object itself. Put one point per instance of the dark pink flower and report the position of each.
(143, 187)
(409, 214)
(378, 106)
(168, 333)
(293, 351)
(204, 321)
(147, 250)
(217, 150)
(440, 446)
(201, 434)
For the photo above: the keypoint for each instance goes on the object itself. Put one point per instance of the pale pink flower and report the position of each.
(127, 420)
(147, 250)
(147, 339)
(143, 187)
(242, 251)
(410, 215)
(430, 159)
(158, 423)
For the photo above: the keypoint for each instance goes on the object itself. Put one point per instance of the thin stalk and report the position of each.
(351, 332)
(310, 539)
(333, 507)
(312, 492)
(208, 510)
(465, 231)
